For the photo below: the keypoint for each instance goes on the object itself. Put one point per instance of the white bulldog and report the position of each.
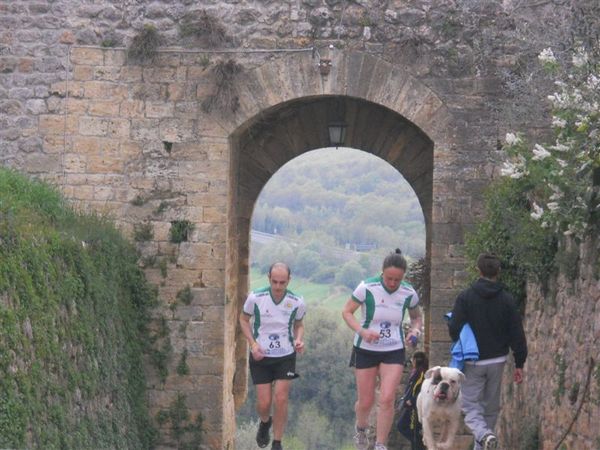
(440, 402)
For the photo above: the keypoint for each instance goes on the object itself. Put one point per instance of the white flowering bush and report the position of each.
(558, 177)
(547, 190)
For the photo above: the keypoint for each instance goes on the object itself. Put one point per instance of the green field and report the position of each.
(328, 296)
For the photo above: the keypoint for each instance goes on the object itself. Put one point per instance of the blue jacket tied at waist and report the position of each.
(465, 349)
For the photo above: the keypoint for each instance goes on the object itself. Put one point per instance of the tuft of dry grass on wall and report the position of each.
(145, 44)
(201, 28)
(226, 98)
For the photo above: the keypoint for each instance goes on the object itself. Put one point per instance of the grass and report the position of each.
(328, 296)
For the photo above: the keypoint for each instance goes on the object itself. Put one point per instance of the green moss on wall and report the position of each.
(73, 311)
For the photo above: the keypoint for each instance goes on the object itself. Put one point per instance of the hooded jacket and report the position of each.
(493, 316)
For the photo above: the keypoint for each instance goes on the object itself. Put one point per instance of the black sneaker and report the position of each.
(262, 436)
(276, 445)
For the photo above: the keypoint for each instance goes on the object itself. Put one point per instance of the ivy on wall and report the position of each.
(73, 312)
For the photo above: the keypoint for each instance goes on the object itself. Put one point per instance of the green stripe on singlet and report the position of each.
(404, 308)
(290, 324)
(369, 313)
(256, 320)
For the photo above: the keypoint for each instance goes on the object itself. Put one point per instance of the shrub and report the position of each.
(225, 98)
(307, 263)
(145, 44)
(203, 28)
(74, 308)
(143, 232)
(548, 191)
(350, 274)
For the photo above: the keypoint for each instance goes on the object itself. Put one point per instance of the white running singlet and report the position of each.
(383, 312)
(273, 323)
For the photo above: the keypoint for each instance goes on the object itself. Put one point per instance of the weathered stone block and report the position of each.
(118, 128)
(74, 105)
(115, 57)
(175, 130)
(104, 90)
(211, 214)
(144, 130)
(93, 126)
(191, 254)
(159, 109)
(159, 74)
(104, 108)
(57, 124)
(131, 73)
(56, 144)
(209, 199)
(213, 278)
(74, 163)
(107, 73)
(25, 65)
(132, 109)
(90, 56)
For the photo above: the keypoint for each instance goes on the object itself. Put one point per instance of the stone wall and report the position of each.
(475, 53)
(136, 140)
(559, 401)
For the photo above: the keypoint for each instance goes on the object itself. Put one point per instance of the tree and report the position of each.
(307, 263)
(350, 274)
(313, 428)
(275, 251)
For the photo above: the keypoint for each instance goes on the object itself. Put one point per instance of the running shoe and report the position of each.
(276, 445)
(262, 435)
(490, 442)
(361, 438)
(379, 447)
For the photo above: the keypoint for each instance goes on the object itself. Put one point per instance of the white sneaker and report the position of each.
(361, 438)
(380, 447)
(490, 442)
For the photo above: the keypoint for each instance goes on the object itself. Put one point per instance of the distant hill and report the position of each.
(342, 197)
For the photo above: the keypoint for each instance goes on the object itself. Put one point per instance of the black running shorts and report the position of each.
(269, 369)
(364, 359)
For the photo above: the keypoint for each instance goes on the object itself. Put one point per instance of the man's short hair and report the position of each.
(489, 265)
(282, 265)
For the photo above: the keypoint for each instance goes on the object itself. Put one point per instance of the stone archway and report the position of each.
(147, 134)
(286, 107)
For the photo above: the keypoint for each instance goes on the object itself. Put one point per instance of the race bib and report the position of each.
(389, 334)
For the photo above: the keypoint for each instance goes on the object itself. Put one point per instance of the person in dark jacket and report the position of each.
(491, 312)
(408, 419)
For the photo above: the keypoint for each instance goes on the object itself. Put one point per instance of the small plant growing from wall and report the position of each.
(162, 265)
(185, 295)
(225, 98)
(182, 366)
(180, 231)
(204, 61)
(143, 232)
(145, 44)
(201, 28)
(161, 349)
(138, 200)
(111, 40)
(161, 208)
(187, 432)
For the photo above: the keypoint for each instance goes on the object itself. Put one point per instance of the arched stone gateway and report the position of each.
(287, 105)
(142, 143)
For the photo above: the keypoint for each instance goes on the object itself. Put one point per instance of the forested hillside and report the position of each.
(351, 198)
